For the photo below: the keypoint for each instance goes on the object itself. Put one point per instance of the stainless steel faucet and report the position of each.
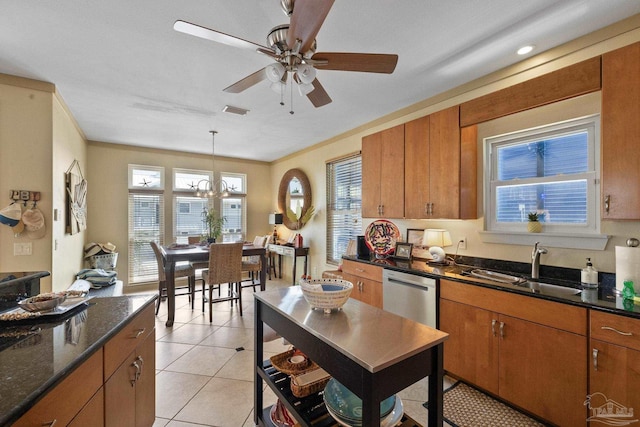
(535, 260)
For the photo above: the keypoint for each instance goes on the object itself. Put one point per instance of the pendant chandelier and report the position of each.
(212, 189)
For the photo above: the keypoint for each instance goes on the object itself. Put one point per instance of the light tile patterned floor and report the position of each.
(203, 380)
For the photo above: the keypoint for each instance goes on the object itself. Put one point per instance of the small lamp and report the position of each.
(275, 219)
(436, 239)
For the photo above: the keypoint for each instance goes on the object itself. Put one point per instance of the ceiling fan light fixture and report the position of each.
(274, 72)
(306, 73)
(305, 89)
(278, 86)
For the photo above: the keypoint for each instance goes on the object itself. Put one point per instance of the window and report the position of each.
(189, 210)
(233, 207)
(552, 170)
(146, 221)
(344, 205)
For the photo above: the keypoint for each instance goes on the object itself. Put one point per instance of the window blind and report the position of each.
(344, 205)
(146, 224)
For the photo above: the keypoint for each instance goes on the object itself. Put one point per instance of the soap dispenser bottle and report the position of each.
(589, 276)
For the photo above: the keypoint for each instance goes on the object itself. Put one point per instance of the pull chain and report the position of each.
(291, 111)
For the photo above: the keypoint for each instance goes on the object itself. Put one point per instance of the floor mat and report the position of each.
(464, 406)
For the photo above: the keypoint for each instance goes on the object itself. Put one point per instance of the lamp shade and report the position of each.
(274, 71)
(436, 237)
(275, 218)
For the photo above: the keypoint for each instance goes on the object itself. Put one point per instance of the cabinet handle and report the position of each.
(430, 208)
(609, 328)
(140, 332)
(136, 375)
(607, 202)
(426, 208)
(493, 327)
(501, 329)
(381, 209)
(50, 423)
(360, 270)
(594, 354)
(141, 360)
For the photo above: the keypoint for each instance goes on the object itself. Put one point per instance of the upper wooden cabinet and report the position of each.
(383, 174)
(621, 133)
(440, 168)
(574, 80)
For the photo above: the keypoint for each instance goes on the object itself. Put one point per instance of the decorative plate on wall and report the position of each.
(381, 237)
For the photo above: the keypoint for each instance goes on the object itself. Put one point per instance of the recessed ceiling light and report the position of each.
(525, 49)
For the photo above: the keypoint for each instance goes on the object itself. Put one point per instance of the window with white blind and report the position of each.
(344, 205)
(552, 170)
(189, 210)
(146, 221)
(233, 207)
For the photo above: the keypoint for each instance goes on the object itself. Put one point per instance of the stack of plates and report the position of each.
(346, 408)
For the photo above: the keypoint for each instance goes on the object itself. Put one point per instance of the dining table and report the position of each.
(192, 253)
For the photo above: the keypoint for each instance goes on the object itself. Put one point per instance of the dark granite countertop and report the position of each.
(603, 298)
(37, 355)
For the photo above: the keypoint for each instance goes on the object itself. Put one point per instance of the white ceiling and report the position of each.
(129, 78)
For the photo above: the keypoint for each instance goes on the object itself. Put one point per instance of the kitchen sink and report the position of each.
(534, 287)
(548, 289)
(496, 277)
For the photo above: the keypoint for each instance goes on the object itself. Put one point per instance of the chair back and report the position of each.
(225, 263)
(267, 240)
(193, 240)
(160, 260)
(258, 241)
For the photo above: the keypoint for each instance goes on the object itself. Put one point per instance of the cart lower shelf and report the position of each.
(310, 410)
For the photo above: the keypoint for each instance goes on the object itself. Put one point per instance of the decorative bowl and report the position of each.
(326, 294)
(347, 407)
(42, 302)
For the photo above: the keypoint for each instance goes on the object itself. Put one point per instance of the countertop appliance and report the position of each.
(410, 296)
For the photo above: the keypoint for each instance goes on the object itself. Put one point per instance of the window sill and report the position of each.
(596, 242)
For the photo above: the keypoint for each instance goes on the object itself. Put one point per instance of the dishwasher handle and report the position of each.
(423, 286)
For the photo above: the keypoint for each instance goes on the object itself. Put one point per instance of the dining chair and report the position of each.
(198, 266)
(181, 270)
(225, 266)
(269, 256)
(252, 264)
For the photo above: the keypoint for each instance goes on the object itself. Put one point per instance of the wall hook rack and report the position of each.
(25, 196)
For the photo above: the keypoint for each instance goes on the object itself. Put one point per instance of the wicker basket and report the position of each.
(105, 261)
(304, 390)
(281, 363)
(326, 294)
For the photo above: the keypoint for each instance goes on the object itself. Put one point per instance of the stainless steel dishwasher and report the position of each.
(410, 296)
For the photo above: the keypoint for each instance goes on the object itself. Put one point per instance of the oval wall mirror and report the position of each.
(294, 199)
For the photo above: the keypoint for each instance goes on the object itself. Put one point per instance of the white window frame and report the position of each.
(558, 235)
(139, 189)
(241, 193)
(333, 234)
(186, 192)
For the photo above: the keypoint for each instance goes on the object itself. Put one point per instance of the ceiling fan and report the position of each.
(293, 47)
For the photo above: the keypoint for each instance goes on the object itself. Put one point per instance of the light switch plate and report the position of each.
(22, 248)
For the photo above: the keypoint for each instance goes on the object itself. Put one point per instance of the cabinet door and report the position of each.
(120, 395)
(92, 415)
(146, 383)
(471, 352)
(620, 133)
(444, 163)
(371, 164)
(543, 370)
(416, 172)
(383, 174)
(614, 371)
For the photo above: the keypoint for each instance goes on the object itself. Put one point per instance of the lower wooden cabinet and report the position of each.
(92, 415)
(68, 398)
(510, 346)
(614, 368)
(367, 281)
(130, 392)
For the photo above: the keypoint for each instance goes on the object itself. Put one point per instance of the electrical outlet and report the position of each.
(462, 243)
(22, 248)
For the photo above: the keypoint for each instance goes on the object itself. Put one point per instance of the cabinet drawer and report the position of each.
(361, 269)
(67, 399)
(550, 313)
(615, 329)
(120, 346)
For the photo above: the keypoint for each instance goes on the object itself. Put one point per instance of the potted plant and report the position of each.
(214, 224)
(534, 225)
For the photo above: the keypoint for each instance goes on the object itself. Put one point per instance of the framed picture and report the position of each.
(403, 250)
(414, 236)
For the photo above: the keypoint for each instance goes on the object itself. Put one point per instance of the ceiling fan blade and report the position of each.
(218, 37)
(307, 18)
(364, 62)
(318, 96)
(247, 82)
